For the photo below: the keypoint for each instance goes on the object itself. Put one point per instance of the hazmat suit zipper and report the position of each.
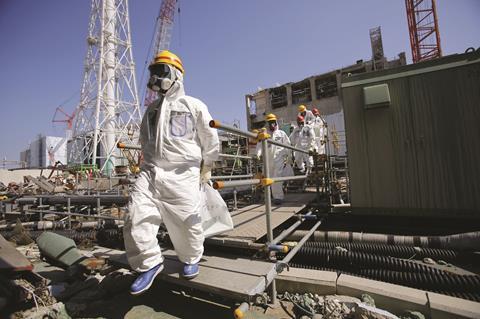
(159, 127)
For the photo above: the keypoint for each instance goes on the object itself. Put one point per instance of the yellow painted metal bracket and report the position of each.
(266, 181)
(263, 135)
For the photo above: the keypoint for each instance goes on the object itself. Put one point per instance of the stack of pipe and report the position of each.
(388, 258)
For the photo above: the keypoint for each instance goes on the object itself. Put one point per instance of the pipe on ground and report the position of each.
(464, 241)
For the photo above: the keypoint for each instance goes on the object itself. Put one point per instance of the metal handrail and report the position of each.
(235, 156)
(231, 129)
(220, 177)
(289, 230)
(227, 184)
(139, 147)
(288, 178)
(284, 262)
(234, 130)
(219, 184)
(287, 146)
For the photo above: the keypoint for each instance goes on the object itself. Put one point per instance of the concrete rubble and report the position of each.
(337, 307)
(80, 286)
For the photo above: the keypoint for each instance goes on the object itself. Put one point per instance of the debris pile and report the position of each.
(64, 283)
(314, 306)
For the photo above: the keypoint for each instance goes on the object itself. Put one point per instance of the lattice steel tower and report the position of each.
(109, 110)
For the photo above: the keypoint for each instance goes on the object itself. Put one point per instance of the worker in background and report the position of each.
(303, 137)
(320, 128)
(279, 156)
(307, 114)
(179, 149)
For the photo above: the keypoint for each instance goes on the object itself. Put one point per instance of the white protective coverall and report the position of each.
(309, 117)
(277, 157)
(303, 138)
(320, 132)
(175, 138)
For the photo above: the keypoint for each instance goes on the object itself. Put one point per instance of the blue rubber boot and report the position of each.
(277, 201)
(190, 271)
(145, 280)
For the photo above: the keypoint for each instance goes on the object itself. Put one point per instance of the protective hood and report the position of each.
(175, 129)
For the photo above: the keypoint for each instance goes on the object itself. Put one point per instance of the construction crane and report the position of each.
(66, 119)
(162, 36)
(423, 29)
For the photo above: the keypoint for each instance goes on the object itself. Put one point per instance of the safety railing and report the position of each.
(126, 146)
(221, 177)
(265, 181)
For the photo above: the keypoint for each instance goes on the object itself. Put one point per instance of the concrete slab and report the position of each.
(395, 298)
(446, 307)
(298, 280)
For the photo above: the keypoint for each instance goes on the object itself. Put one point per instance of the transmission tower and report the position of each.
(423, 29)
(161, 39)
(109, 110)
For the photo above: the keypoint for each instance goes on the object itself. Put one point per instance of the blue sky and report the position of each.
(229, 49)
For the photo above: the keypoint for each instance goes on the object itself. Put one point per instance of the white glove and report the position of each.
(205, 174)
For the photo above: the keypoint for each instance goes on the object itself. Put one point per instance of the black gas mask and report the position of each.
(162, 77)
(272, 125)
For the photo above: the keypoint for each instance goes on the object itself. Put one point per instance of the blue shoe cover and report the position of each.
(190, 271)
(145, 280)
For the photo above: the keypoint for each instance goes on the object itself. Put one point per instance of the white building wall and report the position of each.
(45, 151)
(55, 150)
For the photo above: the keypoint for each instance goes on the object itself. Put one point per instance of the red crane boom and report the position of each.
(163, 34)
(66, 119)
(423, 29)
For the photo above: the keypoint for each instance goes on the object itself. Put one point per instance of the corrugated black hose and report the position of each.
(394, 251)
(334, 258)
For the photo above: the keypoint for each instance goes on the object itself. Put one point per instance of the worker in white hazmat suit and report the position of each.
(179, 149)
(303, 137)
(307, 114)
(279, 157)
(320, 128)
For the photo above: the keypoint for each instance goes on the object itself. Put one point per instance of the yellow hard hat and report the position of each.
(168, 57)
(302, 108)
(270, 117)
